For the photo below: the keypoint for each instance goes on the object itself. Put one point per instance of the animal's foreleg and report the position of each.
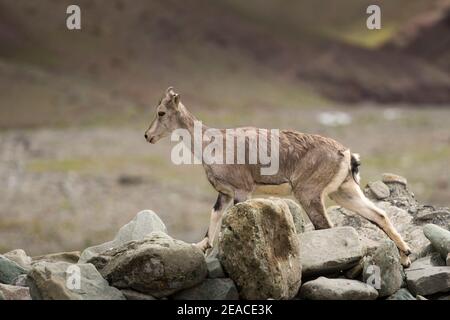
(216, 216)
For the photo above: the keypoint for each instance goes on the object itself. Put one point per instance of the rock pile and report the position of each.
(267, 249)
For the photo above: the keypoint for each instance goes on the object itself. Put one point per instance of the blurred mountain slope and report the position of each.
(220, 53)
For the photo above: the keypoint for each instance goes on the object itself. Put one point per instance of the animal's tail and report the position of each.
(354, 165)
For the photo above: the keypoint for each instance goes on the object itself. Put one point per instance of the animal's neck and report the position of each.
(188, 121)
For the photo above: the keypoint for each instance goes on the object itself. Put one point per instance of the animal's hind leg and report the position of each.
(315, 209)
(350, 196)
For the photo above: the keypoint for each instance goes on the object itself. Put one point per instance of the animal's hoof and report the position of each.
(203, 245)
(404, 260)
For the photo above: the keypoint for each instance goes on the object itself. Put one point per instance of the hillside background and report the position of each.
(74, 105)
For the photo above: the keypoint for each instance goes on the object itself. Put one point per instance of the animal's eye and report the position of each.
(161, 113)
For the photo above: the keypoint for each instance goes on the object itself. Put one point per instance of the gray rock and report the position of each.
(301, 220)
(402, 294)
(210, 289)
(143, 223)
(429, 215)
(426, 281)
(337, 289)
(157, 265)
(379, 190)
(393, 178)
(445, 297)
(448, 259)
(9, 270)
(59, 281)
(439, 238)
(259, 249)
(215, 269)
(2, 296)
(69, 257)
(135, 295)
(372, 236)
(432, 260)
(14, 293)
(356, 271)
(329, 250)
(387, 261)
(20, 257)
(20, 281)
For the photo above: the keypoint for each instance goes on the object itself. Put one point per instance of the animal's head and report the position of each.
(167, 117)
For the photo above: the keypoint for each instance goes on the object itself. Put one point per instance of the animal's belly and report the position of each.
(283, 189)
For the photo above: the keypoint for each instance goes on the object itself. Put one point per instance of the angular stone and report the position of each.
(379, 190)
(372, 236)
(329, 250)
(65, 281)
(14, 293)
(402, 294)
(143, 223)
(393, 178)
(135, 295)
(215, 269)
(210, 289)
(157, 265)
(69, 257)
(9, 270)
(20, 257)
(385, 264)
(259, 249)
(429, 280)
(20, 281)
(337, 289)
(432, 260)
(301, 220)
(439, 217)
(439, 238)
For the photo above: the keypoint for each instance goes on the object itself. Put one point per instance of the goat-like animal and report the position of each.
(310, 167)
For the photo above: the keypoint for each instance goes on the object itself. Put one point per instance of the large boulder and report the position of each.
(385, 264)
(260, 250)
(143, 223)
(157, 265)
(439, 238)
(9, 270)
(329, 250)
(210, 289)
(65, 281)
(14, 292)
(337, 289)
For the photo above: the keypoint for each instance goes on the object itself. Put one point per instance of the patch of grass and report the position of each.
(363, 36)
(90, 164)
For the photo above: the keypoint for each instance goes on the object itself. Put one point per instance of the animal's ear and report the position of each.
(169, 91)
(175, 97)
